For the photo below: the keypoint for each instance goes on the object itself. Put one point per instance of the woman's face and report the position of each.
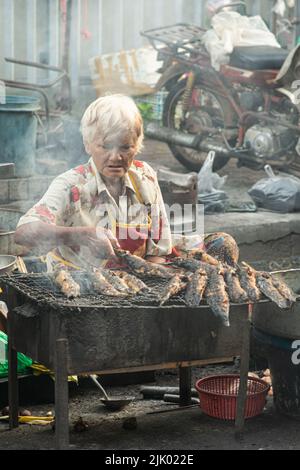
(114, 156)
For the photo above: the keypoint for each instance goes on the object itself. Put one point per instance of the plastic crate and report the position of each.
(154, 105)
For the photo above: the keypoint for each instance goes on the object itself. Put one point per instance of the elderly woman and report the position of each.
(111, 201)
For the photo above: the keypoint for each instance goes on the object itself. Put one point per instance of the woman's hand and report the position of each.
(100, 241)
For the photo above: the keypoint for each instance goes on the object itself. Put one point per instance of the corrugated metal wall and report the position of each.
(32, 29)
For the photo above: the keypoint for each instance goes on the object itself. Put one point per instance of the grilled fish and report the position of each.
(134, 283)
(174, 286)
(142, 267)
(102, 286)
(284, 290)
(216, 295)
(236, 293)
(66, 283)
(116, 282)
(200, 255)
(265, 283)
(191, 264)
(196, 288)
(248, 282)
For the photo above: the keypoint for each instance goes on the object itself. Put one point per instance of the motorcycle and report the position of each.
(248, 110)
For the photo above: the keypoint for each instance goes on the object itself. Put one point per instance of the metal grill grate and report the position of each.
(41, 289)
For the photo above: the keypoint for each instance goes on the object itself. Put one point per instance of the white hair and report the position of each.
(112, 116)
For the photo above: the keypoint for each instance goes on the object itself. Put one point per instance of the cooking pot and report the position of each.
(7, 263)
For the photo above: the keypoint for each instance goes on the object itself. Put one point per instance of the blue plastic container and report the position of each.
(283, 358)
(18, 130)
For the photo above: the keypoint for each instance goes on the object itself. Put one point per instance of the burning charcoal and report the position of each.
(236, 293)
(216, 295)
(143, 268)
(135, 284)
(67, 284)
(196, 288)
(174, 286)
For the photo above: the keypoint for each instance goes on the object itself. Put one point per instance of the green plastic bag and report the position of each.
(23, 361)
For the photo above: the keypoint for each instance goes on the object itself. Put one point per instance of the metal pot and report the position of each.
(9, 219)
(7, 263)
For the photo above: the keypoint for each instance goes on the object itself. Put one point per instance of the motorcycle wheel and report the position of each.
(214, 111)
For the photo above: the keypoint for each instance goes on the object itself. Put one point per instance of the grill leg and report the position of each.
(61, 395)
(185, 377)
(13, 392)
(244, 370)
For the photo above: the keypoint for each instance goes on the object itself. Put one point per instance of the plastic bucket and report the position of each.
(18, 129)
(283, 359)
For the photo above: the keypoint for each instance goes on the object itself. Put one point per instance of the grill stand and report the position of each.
(62, 393)
(232, 341)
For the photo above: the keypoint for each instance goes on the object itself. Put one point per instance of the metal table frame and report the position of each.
(62, 370)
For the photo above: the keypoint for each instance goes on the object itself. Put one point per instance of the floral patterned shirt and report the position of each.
(79, 197)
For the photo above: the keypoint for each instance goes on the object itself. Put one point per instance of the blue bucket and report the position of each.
(18, 129)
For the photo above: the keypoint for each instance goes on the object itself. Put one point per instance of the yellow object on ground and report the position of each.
(39, 369)
(40, 420)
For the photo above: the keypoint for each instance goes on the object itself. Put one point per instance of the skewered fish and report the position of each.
(284, 290)
(191, 264)
(135, 284)
(195, 289)
(102, 286)
(236, 293)
(200, 255)
(265, 283)
(116, 282)
(216, 295)
(248, 282)
(174, 286)
(67, 285)
(143, 268)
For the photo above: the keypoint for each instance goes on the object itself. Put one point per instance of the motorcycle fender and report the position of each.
(175, 70)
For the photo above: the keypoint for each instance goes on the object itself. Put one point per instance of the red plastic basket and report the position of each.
(218, 396)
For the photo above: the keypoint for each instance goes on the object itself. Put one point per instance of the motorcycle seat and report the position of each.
(258, 57)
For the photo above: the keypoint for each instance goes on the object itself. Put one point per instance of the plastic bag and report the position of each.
(277, 193)
(209, 187)
(23, 361)
(279, 8)
(231, 30)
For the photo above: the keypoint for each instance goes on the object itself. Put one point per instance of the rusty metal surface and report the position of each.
(121, 335)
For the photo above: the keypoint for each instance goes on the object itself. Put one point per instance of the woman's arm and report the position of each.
(48, 236)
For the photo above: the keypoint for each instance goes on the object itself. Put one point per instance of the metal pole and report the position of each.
(297, 15)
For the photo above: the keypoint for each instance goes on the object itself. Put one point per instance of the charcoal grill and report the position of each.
(101, 334)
